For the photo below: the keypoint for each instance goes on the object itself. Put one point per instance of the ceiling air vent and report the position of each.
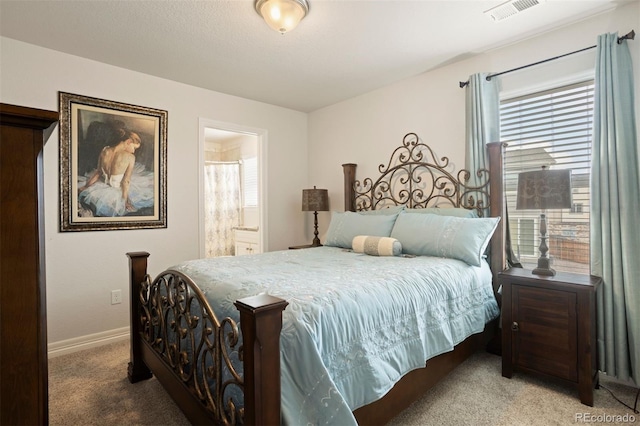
(511, 8)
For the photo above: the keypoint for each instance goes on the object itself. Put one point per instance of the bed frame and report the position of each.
(415, 177)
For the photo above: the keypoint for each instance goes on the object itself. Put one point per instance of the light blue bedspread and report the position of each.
(355, 323)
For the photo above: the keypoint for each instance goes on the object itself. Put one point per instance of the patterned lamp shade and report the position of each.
(315, 200)
(544, 189)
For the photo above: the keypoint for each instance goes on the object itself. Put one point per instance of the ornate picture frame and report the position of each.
(113, 165)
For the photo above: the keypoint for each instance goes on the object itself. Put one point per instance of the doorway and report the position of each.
(232, 197)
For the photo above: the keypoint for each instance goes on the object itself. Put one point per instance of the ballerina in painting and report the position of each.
(119, 185)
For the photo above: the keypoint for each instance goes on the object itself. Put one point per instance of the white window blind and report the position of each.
(552, 128)
(250, 181)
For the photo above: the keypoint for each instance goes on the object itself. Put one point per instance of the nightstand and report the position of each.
(304, 246)
(549, 327)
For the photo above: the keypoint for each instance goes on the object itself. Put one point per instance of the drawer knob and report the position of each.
(515, 326)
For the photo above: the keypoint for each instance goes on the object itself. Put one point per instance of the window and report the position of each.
(250, 182)
(525, 237)
(552, 128)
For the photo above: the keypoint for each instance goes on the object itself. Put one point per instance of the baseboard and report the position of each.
(76, 344)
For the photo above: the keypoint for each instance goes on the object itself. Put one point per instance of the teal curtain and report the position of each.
(482, 124)
(615, 211)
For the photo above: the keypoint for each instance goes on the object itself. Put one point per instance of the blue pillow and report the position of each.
(444, 236)
(346, 225)
(446, 211)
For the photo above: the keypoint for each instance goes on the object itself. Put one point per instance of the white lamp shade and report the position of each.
(282, 15)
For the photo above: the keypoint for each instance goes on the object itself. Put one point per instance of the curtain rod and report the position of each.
(629, 36)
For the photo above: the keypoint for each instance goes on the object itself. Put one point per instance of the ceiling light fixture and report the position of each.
(282, 15)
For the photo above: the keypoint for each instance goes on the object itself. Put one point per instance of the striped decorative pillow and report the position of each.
(376, 246)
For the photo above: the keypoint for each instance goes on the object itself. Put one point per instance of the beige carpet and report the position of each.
(91, 388)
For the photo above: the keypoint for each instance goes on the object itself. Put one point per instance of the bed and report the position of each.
(336, 334)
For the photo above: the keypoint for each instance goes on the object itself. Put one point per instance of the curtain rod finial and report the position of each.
(631, 35)
(463, 84)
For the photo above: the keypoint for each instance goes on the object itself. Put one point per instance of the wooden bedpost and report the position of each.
(497, 208)
(137, 369)
(349, 170)
(261, 323)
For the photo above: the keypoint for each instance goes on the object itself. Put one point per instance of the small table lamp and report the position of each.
(544, 189)
(315, 200)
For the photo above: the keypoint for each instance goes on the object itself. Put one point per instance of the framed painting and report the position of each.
(113, 165)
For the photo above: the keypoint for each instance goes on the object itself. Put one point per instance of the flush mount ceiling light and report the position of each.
(282, 15)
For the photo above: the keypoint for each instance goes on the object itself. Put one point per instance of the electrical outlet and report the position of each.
(116, 297)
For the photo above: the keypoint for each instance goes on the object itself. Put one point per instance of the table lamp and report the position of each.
(315, 200)
(544, 189)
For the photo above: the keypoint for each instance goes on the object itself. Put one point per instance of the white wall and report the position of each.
(366, 129)
(83, 267)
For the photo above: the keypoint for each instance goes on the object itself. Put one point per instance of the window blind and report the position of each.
(250, 181)
(553, 128)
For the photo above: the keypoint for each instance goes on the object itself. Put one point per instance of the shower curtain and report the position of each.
(222, 207)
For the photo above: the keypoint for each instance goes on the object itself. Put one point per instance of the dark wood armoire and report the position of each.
(23, 318)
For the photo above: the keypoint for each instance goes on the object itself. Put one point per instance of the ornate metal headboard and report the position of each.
(415, 177)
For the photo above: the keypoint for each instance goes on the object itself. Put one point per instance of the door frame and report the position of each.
(262, 138)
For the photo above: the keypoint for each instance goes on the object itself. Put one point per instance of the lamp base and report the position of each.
(316, 240)
(544, 262)
(544, 267)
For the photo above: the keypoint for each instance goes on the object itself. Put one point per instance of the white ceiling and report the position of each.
(340, 50)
